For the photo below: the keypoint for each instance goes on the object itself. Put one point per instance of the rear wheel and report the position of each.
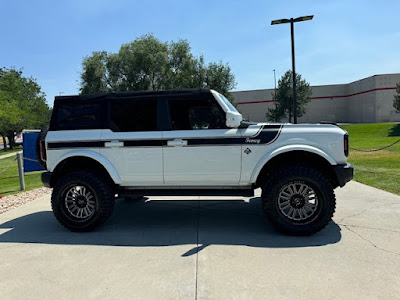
(82, 201)
(298, 200)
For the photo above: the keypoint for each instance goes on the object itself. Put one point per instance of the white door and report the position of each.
(133, 144)
(199, 150)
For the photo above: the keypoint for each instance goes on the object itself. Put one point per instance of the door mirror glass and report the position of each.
(233, 119)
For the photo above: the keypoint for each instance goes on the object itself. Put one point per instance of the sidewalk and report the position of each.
(9, 155)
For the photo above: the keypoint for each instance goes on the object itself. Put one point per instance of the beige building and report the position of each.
(369, 100)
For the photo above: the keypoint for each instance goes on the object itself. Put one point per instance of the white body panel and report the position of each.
(55, 156)
(136, 165)
(202, 164)
(323, 140)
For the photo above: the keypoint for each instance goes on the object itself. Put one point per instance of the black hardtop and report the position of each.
(122, 95)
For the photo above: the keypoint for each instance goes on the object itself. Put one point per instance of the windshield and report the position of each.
(228, 103)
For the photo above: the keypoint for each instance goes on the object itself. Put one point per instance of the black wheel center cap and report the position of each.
(297, 201)
(81, 201)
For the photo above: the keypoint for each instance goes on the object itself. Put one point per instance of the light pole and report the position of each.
(292, 21)
(275, 84)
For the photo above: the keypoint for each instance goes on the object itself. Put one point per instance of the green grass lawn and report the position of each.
(16, 149)
(380, 169)
(9, 180)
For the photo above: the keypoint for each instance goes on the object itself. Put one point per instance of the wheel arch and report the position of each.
(306, 156)
(91, 161)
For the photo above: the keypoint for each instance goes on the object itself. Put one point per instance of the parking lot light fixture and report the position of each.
(292, 21)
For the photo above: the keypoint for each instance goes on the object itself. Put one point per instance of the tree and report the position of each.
(396, 100)
(22, 104)
(147, 64)
(284, 98)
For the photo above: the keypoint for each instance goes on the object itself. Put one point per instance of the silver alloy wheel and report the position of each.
(80, 202)
(297, 201)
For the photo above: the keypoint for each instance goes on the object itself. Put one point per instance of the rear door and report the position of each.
(199, 149)
(133, 143)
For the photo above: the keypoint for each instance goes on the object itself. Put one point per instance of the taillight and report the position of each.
(43, 151)
(346, 145)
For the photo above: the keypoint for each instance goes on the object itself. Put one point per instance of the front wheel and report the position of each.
(82, 201)
(298, 200)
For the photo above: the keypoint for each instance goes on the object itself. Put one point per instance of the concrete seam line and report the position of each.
(197, 244)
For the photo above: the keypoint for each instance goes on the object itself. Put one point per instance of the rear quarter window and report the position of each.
(78, 114)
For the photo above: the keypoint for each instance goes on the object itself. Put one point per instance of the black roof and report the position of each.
(122, 95)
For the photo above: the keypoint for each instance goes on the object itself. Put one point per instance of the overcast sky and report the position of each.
(346, 41)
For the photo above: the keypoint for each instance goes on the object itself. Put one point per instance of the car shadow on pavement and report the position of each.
(154, 223)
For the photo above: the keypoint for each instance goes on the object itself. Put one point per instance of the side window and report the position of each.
(79, 115)
(196, 114)
(133, 115)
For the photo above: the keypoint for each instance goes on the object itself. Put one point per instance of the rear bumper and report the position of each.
(46, 177)
(344, 173)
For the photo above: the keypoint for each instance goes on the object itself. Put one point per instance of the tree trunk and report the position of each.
(11, 140)
(4, 143)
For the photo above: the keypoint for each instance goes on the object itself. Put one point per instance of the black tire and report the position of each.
(67, 197)
(40, 138)
(309, 210)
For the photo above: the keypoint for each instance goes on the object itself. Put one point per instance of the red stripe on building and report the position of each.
(329, 97)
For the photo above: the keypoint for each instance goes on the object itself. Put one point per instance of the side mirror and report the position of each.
(233, 119)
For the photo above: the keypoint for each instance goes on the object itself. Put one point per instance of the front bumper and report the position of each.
(344, 173)
(46, 177)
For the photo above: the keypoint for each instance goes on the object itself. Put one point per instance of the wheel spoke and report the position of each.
(285, 197)
(301, 214)
(304, 213)
(305, 191)
(290, 190)
(284, 202)
(302, 186)
(296, 188)
(89, 210)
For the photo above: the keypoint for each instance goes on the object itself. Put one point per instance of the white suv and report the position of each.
(188, 142)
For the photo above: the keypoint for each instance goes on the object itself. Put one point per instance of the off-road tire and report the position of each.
(103, 198)
(40, 138)
(272, 206)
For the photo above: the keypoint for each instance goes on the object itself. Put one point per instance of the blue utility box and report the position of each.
(29, 152)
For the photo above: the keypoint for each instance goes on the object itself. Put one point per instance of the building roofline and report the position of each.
(324, 85)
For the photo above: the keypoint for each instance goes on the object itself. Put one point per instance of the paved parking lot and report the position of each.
(182, 248)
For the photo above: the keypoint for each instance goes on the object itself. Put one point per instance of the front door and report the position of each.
(199, 150)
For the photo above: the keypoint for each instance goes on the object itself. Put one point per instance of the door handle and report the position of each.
(114, 144)
(177, 143)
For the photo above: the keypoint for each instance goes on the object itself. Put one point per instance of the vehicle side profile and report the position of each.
(187, 142)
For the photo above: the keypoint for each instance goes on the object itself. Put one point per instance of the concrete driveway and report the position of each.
(182, 248)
